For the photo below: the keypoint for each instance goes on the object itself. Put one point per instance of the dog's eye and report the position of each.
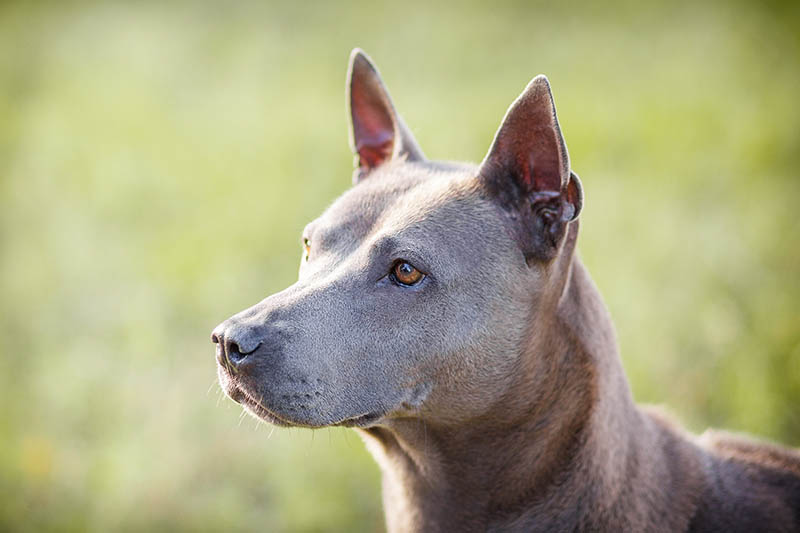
(306, 249)
(404, 273)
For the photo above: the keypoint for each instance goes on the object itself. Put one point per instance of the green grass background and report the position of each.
(158, 161)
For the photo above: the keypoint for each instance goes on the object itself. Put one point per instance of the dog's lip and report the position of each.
(359, 421)
(363, 420)
(239, 395)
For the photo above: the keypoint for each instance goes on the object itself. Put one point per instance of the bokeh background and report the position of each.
(159, 159)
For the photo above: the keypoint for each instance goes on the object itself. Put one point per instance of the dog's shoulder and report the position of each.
(747, 450)
(752, 485)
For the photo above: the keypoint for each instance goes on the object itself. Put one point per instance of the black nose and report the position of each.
(234, 344)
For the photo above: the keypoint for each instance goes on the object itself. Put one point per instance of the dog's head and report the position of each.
(419, 287)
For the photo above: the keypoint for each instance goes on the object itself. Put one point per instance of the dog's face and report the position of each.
(417, 286)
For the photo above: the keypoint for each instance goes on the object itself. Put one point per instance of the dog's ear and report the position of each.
(527, 170)
(377, 133)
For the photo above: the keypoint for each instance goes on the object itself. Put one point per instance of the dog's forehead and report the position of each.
(394, 197)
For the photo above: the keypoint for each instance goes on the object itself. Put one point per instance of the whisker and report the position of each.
(214, 382)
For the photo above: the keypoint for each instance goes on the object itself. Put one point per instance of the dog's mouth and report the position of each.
(362, 421)
(239, 394)
(261, 411)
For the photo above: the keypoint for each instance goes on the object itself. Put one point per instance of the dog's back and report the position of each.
(751, 486)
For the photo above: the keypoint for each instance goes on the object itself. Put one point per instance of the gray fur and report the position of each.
(491, 393)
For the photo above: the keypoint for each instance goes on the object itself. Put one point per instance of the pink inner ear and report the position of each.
(536, 159)
(528, 146)
(373, 128)
(376, 150)
(546, 160)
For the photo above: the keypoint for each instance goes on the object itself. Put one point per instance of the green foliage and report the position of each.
(158, 161)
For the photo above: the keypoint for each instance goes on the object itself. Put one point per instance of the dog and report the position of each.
(442, 311)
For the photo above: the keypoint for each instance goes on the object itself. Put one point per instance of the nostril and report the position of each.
(236, 354)
(234, 343)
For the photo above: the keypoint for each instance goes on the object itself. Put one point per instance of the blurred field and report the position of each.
(158, 161)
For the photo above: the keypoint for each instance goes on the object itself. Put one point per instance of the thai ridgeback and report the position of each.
(441, 309)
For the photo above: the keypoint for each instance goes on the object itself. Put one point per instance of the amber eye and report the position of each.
(405, 273)
(306, 249)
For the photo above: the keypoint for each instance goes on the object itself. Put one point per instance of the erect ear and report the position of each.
(377, 133)
(527, 170)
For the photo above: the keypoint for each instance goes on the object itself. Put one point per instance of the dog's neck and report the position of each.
(553, 451)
